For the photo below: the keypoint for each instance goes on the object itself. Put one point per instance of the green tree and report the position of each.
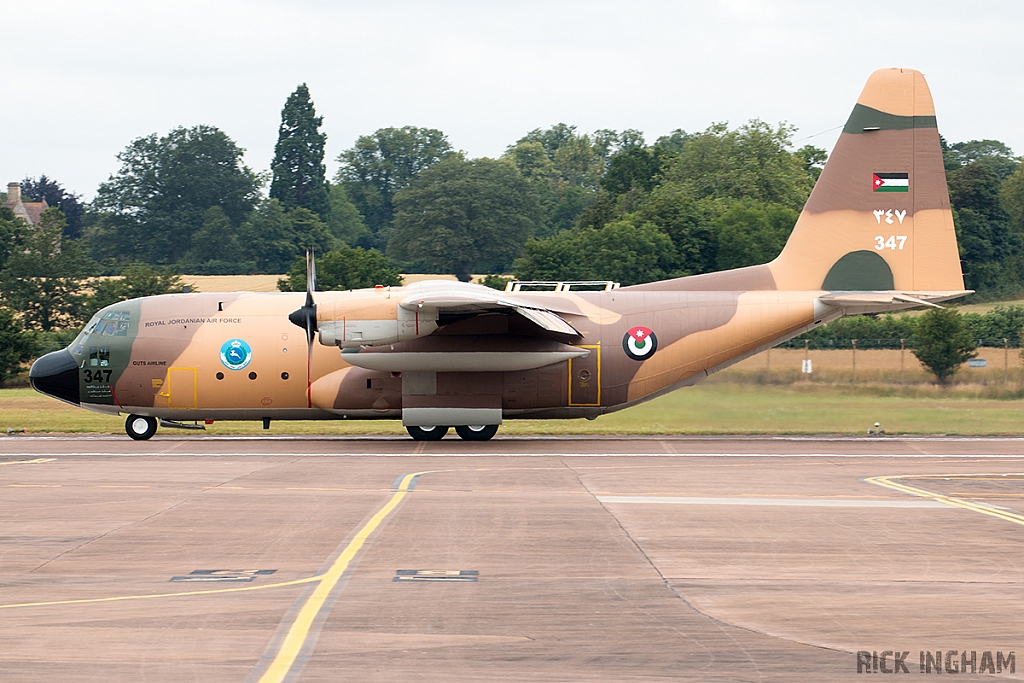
(137, 280)
(750, 162)
(751, 233)
(42, 278)
(381, 164)
(674, 141)
(12, 229)
(813, 159)
(268, 238)
(495, 281)
(565, 168)
(216, 248)
(150, 209)
(38, 189)
(620, 251)
(1001, 322)
(17, 346)
(460, 215)
(272, 237)
(343, 268)
(577, 159)
(688, 221)
(298, 166)
(685, 184)
(551, 139)
(992, 154)
(987, 245)
(943, 343)
(1013, 198)
(634, 167)
(346, 222)
(310, 231)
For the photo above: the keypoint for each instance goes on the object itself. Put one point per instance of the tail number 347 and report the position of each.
(894, 242)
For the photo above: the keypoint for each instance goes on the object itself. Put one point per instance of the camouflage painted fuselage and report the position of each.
(162, 356)
(875, 235)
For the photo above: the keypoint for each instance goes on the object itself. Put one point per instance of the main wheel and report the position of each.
(427, 433)
(140, 428)
(477, 432)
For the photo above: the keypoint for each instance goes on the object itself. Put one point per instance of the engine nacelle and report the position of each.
(349, 334)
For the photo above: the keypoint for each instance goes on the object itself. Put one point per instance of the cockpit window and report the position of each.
(109, 324)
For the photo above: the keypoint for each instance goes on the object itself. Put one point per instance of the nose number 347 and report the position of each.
(894, 242)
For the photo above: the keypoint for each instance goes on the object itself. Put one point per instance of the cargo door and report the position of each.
(181, 388)
(585, 378)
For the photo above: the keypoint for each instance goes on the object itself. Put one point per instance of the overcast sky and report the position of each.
(84, 78)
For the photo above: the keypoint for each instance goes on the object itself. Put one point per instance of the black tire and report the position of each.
(427, 433)
(477, 433)
(139, 427)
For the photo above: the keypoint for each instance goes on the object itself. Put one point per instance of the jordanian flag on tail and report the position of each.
(890, 182)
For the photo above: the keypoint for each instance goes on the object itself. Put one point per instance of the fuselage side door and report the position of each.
(585, 378)
(181, 388)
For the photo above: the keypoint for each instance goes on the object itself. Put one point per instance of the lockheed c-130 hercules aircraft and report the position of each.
(875, 235)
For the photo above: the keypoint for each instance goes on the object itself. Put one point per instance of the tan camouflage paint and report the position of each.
(702, 323)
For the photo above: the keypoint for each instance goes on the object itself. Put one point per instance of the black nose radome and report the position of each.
(56, 374)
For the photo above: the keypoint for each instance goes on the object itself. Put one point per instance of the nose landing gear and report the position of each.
(140, 427)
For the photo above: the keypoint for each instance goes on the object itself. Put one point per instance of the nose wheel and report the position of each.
(139, 427)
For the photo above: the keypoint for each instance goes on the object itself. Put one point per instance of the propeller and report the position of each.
(305, 318)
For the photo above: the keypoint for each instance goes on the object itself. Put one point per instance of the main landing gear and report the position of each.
(140, 428)
(467, 433)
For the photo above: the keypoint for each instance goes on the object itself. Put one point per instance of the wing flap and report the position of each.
(547, 320)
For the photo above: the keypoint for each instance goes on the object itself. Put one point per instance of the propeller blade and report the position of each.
(310, 275)
(305, 317)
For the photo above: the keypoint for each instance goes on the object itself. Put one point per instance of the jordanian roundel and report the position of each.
(640, 343)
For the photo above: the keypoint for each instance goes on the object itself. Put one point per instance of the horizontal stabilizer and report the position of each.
(884, 300)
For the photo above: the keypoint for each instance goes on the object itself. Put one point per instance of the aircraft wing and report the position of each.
(455, 299)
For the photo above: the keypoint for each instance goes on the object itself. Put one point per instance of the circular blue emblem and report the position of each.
(235, 354)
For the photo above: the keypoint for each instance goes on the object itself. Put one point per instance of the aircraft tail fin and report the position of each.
(879, 216)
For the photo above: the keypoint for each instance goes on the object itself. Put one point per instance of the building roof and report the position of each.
(27, 211)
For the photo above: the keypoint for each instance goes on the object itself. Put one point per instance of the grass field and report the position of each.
(713, 408)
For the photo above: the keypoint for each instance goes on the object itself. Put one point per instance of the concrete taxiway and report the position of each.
(200, 558)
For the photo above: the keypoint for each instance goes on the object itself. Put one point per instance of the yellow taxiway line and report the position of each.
(889, 483)
(28, 462)
(119, 598)
(298, 633)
